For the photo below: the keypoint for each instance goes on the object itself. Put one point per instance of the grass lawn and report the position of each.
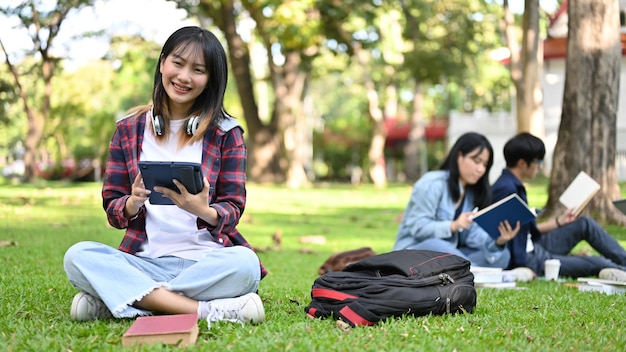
(43, 220)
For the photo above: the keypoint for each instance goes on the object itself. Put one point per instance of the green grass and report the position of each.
(44, 220)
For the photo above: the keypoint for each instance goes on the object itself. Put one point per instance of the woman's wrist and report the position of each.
(211, 216)
(502, 244)
(556, 221)
(130, 213)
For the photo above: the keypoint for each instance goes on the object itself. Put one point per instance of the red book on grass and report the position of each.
(177, 329)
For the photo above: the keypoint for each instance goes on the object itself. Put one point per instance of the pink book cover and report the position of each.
(163, 324)
(170, 327)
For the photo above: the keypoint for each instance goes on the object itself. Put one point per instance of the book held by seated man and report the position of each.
(512, 209)
(178, 329)
(579, 192)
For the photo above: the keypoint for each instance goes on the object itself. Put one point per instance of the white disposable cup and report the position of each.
(552, 267)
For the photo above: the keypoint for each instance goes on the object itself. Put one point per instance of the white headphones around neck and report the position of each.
(158, 124)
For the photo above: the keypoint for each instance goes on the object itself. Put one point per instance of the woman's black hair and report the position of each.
(523, 146)
(210, 103)
(464, 145)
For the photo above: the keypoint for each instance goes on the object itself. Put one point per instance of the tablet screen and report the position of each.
(161, 173)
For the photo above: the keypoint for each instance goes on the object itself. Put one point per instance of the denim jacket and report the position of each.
(431, 211)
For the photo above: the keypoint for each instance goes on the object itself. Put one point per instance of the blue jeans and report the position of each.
(558, 243)
(475, 256)
(120, 279)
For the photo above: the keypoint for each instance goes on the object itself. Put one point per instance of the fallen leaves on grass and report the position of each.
(8, 244)
(313, 239)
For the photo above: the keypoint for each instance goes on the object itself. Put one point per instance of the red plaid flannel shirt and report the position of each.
(223, 164)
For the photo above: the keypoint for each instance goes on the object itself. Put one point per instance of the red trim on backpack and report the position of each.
(326, 293)
(312, 312)
(354, 317)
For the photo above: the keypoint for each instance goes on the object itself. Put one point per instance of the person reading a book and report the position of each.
(183, 258)
(439, 213)
(554, 238)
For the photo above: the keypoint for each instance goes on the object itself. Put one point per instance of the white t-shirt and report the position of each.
(529, 243)
(171, 230)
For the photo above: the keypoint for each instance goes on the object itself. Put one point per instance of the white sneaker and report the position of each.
(521, 274)
(88, 307)
(244, 309)
(612, 274)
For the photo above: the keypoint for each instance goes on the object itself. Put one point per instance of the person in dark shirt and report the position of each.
(554, 238)
(439, 213)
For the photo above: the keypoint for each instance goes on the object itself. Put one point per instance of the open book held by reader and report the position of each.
(512, 209)
(578, 194)
(161, 173)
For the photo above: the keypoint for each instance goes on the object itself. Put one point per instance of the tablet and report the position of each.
(620, 204)
(161, 173)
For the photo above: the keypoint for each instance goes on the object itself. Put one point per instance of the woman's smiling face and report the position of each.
(184, 77)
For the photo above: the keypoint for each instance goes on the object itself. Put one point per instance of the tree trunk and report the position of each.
(289, 83)
(265, 158)
(415, 149)
(33, 137)
(36, 123)
(376, 153)
(529, 97)
(43, 27)
(587, 138)
(525, 68)
(508, 27)
(376, 156)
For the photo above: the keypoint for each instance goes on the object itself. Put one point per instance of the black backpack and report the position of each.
(403, 282)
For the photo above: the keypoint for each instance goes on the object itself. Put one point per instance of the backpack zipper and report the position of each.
(446, 279)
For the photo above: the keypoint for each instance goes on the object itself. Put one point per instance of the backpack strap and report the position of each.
(353, 318)
(330, 294)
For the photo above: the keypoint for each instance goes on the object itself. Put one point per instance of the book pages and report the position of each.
(580, 191)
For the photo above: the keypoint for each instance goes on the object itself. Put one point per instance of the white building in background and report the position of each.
(499, 128)
(502, 126)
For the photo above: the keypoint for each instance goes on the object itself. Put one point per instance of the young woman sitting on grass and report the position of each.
(439, 214)
(182, 258)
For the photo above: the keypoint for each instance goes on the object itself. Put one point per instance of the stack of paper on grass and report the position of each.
(484, 275)
(511, 284)
(177, 329)
(579, 192)
(590, 284)
(489, 278)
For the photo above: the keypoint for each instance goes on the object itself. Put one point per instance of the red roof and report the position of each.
(397, 131)
(556, 48)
